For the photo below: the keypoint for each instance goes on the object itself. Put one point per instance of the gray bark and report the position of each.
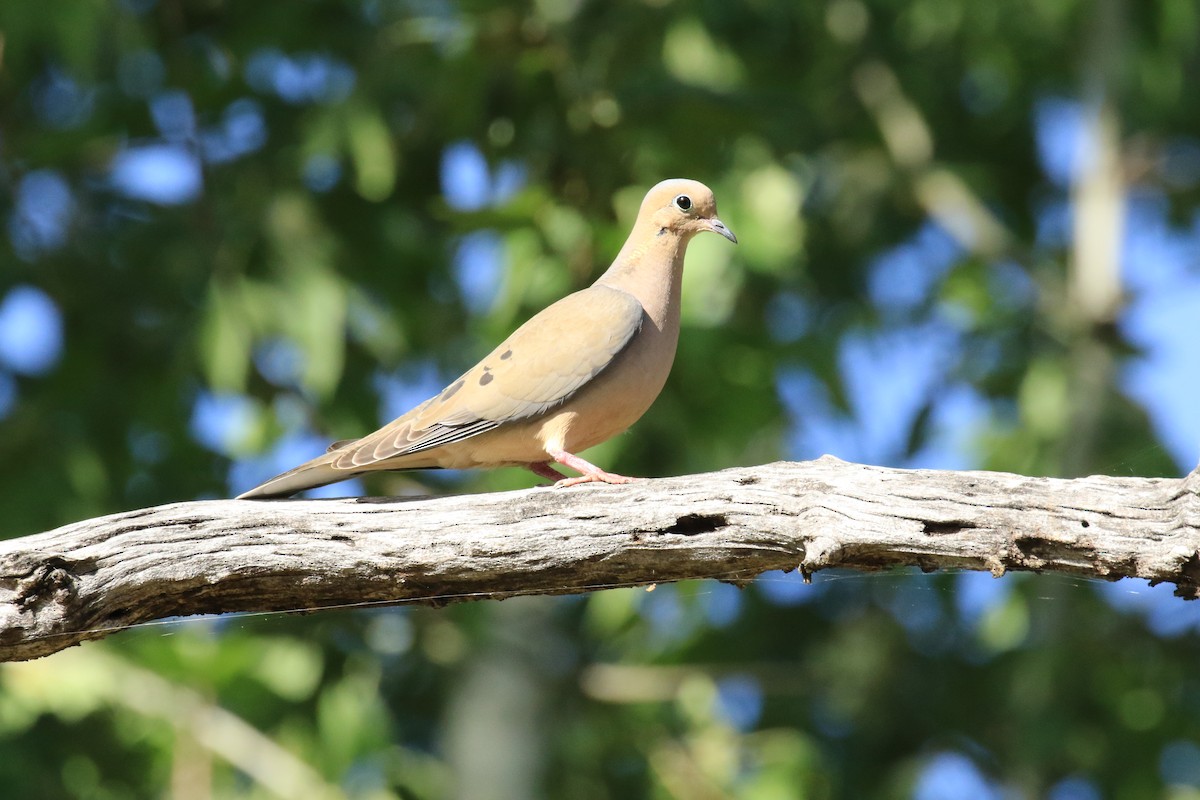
(89, 579)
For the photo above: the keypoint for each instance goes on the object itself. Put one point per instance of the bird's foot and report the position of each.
(591, 473)
(543, 469)
(592, 477)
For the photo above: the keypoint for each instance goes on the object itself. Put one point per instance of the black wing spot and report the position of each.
(485, 378)
(450, 390)
(506, 355)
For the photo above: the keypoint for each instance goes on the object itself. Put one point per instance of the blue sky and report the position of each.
(889, 373)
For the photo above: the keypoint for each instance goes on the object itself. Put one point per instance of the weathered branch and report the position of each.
(88, 579)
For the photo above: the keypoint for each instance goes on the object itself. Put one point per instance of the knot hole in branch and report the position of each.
(692, 524)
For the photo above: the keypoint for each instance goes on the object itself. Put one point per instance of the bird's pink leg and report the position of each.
(591, 473)
(544, 469)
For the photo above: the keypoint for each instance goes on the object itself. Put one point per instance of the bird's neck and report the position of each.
(650, 267)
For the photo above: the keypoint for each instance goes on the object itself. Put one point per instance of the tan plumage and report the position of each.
(576, 374)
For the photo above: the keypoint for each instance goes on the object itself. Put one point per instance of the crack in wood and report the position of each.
(1189, 586)
(947, 527)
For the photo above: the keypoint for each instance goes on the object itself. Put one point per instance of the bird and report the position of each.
(576, 374)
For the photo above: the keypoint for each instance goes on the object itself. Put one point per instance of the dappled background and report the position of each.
(234, 231)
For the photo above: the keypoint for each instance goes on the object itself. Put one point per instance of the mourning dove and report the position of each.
(573, 376)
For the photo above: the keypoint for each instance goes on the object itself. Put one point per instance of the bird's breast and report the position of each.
(617, 397)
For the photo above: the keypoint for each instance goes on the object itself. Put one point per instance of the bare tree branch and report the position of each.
(85, 580)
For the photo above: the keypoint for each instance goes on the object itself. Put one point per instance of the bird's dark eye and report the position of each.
(683, 202)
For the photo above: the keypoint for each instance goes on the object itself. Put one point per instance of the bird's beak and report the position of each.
(716, 226)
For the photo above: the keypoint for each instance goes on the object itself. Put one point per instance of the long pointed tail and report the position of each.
(309, 475)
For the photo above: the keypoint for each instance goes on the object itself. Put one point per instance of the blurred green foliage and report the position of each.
(321, 257)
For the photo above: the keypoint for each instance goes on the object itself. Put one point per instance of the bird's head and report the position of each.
(683, 207)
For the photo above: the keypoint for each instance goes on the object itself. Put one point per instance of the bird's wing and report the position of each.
(539, 366)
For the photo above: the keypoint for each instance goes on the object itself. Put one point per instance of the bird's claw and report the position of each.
(592, 477)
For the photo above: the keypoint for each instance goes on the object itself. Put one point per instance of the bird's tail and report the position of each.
(310, 475)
